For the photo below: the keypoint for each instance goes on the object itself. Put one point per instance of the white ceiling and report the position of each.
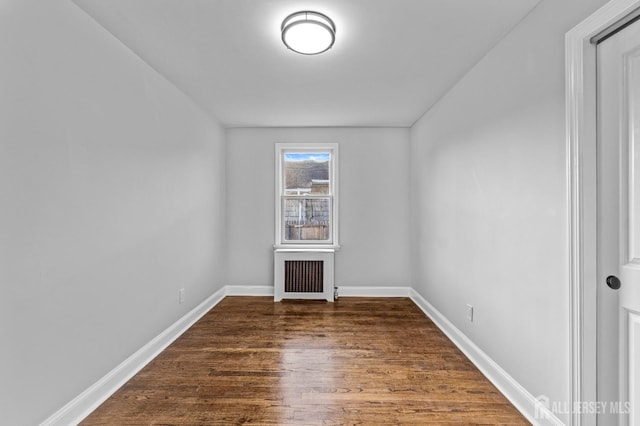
(391, 61)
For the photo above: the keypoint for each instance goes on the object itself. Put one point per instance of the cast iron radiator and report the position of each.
(303, 276)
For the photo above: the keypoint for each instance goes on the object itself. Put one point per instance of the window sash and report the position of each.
(311, 197)
(307, 228)
(329, 192)
(330, 151)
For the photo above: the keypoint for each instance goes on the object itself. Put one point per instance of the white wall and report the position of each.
(374, 195)
(112, 198)
(490, 201)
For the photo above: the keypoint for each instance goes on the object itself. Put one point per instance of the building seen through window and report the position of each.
(306, 196)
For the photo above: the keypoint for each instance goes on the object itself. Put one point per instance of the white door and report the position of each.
(618, 170)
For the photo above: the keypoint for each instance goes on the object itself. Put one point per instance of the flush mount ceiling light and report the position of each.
(308, 33)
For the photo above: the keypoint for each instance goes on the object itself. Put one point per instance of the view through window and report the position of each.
(307, 196)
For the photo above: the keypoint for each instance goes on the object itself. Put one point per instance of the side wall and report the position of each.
(374, 203)
(489, 205)
(112, 191)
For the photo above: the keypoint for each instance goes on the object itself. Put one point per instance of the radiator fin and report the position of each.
(303, 276)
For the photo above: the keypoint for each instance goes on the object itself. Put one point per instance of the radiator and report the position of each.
(303, 274)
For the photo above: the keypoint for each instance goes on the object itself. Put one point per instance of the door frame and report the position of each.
(580, 109)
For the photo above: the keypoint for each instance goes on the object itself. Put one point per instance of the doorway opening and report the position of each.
(581, 108)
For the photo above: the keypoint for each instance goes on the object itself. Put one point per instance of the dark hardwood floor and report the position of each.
(358, 361)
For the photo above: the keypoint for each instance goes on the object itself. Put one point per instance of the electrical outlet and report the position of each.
(470, 313)
(181, 295)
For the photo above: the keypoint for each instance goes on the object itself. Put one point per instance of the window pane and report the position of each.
(306, 173)
(307, 219)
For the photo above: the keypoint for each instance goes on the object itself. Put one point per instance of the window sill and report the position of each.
(306, 247)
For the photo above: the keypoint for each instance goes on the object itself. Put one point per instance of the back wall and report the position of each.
(374, 203)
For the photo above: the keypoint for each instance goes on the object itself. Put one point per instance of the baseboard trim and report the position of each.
(534, 409)
(82, 405)
(249, 290)
(354, 291)
(343, 291)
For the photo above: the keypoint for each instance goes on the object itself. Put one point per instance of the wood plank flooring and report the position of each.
(358, 361)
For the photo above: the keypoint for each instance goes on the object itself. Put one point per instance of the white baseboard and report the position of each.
(82, 405)
(534, 409)
(249, 290)
(348, 291)
(356, 291)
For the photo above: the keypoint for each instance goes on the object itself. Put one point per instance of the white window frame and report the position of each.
(281, 149)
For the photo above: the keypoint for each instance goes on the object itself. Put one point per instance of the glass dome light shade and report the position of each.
(308, 33)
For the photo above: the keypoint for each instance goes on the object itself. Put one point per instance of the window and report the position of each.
(307, 198)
